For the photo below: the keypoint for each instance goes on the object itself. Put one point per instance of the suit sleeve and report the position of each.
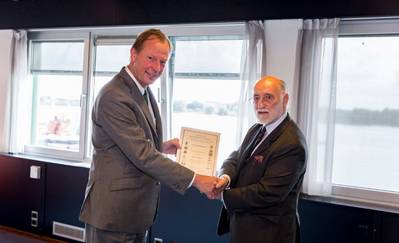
(119, 120)
(231, 164)
(283, 172)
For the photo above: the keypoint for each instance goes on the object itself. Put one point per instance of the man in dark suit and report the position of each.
(261, 181)
(128, 164)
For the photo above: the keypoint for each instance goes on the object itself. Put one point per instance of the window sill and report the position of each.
(351, 203)
(49, 160)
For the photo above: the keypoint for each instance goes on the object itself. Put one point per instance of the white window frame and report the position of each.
(121, 34)
(118, 35)
(65, 36)
(367, 27)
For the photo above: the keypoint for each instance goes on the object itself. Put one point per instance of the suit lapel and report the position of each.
(245, 155)
(148, 116)
(247, 150)
(147, 113)
(139, 99)
(158, 120)
(265, 144)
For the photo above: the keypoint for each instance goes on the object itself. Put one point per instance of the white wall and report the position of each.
(5, 68)
(283, 40)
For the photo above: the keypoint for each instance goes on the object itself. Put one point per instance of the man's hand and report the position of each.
(222, 183)
(205, 184)
(171, 146)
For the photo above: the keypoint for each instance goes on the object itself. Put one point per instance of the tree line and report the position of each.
(385, 117)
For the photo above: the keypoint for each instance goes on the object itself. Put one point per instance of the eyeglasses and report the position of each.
(266, 98)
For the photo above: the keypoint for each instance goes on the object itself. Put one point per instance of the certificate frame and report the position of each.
(199, 150)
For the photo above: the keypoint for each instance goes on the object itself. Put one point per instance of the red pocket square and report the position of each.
(258, 159)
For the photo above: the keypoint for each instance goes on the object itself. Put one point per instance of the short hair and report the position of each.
(282, 85)
(148, 35)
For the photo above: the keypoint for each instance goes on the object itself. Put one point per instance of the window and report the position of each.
(58, 84)
(199, 88)
(109, 59)
(206, 86)
(367, 117)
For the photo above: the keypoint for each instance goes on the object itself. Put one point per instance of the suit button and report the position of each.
(157, 183)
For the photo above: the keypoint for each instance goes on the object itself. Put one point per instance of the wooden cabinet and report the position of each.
(190, 218)
(329, 223)
(21, 197)
(64, 195)
(56, 196)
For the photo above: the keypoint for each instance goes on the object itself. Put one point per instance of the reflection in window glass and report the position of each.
(206, 88)
(367, 115)
(56, 117)
(56, 69)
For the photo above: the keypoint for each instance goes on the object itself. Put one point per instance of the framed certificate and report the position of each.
(199, 149)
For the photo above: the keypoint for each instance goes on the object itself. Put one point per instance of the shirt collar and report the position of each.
(272, 126)
(141, 88)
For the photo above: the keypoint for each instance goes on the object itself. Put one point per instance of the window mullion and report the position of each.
(85, 101)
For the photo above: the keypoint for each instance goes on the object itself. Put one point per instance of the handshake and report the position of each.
(210, 185)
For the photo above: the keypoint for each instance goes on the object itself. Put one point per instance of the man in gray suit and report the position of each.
(128, 164)
(263, 177)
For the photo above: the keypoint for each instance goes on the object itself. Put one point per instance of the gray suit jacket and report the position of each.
(123, 189)
(263, 199)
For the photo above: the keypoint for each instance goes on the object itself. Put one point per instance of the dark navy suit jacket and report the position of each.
(261, 204)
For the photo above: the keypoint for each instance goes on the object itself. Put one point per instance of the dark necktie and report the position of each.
(145, 96)
(258, 138)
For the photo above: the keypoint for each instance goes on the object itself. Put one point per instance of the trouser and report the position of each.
(95, 235)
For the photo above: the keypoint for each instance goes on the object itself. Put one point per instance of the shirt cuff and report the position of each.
(227, 187)
(228, 179)
(222, 199)
(192, 181)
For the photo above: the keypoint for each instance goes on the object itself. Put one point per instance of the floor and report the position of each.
(9, 235)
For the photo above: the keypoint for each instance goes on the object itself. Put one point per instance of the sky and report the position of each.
(368, 73)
